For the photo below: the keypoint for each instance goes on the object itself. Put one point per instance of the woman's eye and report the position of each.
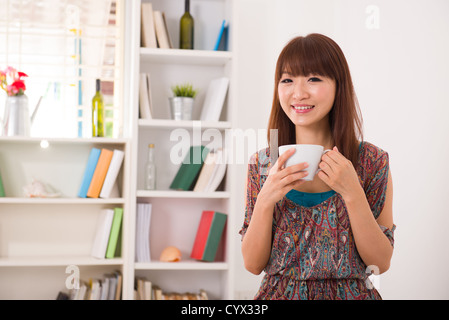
(286, 81)
(314, 79)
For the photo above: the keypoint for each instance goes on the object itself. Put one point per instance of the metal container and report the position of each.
(181, 108)
(16, 119)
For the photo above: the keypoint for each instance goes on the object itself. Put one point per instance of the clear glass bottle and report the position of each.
(150, 169)
(186, 28)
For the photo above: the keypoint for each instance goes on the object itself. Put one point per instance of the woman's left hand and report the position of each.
(339, 173)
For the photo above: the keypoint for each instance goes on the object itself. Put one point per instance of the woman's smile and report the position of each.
(302, 108)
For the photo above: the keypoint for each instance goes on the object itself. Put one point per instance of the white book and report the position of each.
(112, 173)
(218, 173)
(162, 35)
(148, 32)
(145, 104)
(143, 222)
(215, 97)
(103, 230)
(206, 171)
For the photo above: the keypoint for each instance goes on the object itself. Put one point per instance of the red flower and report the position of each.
(17, 87)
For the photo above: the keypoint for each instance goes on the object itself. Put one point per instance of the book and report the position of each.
(118, 289)
(190, 168)
(212, 172)
(103, 231)
(214, 100)
(2, 189)
(148, 32)
(145, 101)
(143, 222)
(218, 172)
(114, 234)
(162, 35)
(208, 235)
(100, 173)
(89, 171)
(222, 39)
(112, 173)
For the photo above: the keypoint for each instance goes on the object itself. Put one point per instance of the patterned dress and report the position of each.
(313, 253)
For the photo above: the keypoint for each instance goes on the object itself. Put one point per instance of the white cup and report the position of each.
(310, 153)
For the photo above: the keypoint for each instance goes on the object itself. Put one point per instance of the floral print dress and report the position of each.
(313, 253)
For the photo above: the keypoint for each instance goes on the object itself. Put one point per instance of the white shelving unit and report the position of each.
(41, 237)
(176, 214)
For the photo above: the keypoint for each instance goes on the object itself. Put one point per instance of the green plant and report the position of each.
(184, 90)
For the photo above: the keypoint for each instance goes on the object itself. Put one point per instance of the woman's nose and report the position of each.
(300, 91)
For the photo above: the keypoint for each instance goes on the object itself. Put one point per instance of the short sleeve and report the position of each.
(389, 233)
(377, 179)
(252, 190)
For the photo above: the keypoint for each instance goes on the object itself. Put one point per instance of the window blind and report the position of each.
(63, 46)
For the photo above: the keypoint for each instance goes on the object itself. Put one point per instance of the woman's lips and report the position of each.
(302, 108)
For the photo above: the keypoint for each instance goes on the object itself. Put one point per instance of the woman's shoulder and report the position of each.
(370, 153)
(261, 157)
(373, 162)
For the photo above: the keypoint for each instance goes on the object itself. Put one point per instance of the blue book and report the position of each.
(222, 41)
(89, 172)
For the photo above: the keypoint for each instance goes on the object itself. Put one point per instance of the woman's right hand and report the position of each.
(281, 180)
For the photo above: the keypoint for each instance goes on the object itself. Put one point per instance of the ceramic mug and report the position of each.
(310, 153)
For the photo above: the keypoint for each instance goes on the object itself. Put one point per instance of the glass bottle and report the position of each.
(150, 169)
(186, 29)
(97, 112)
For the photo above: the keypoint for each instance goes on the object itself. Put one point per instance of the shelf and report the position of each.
(183, 265)
(188, 124)
(179, 56)
(20, 139)
(57, 261)
(34, 201)
(182, 194)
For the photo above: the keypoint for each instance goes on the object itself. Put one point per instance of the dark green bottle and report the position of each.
(97, 112)
(186, 29)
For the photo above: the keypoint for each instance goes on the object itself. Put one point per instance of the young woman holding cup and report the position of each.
(317, 239)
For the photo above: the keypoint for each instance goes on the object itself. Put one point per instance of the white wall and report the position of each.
(401, 76)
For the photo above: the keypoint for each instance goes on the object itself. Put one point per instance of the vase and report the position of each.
(181, 108)
(16, 118)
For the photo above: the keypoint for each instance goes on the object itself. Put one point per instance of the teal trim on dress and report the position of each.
(307, 199)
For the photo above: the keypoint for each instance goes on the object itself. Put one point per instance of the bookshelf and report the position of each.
(41, 237)
(176, 214)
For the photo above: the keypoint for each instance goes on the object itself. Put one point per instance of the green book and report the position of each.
(2, 189)
(190, 168)
(215, 233)
(208, 235)
(114, 234)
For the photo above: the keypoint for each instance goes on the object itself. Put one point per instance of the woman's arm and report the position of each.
(372, 244)
(256, 244)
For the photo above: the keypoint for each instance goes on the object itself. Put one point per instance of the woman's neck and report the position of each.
(322, 136)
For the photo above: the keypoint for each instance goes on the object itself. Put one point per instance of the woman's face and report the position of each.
(306, 100)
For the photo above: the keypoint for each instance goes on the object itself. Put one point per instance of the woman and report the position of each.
(318, 239)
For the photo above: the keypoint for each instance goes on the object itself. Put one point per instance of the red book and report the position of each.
(208, 235)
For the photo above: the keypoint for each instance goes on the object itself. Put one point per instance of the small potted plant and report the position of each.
(181, 104)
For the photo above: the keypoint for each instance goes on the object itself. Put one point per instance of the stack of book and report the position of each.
(146, 290)
(107, 288)
(108, 234)
(143, 220)
(154, 31)
(202, 170)
(208, 236)
(100, 175)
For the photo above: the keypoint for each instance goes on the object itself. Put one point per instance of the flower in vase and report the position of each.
(12, 81)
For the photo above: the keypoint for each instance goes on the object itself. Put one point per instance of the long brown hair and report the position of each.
(320, 55)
